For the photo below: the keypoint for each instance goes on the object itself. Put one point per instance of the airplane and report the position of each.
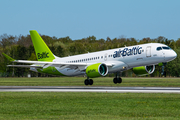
(140, 58)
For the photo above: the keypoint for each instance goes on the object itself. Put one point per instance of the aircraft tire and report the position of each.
(119, 80)
(115, 80)
(90, 82)
(86, 82)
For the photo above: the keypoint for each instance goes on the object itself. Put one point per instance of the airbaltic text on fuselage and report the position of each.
(43, 55)
(128, 52)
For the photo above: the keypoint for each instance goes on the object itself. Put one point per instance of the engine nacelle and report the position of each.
(97, 70)
(144, 70)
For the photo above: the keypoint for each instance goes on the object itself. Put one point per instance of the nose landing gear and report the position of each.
(163, 72)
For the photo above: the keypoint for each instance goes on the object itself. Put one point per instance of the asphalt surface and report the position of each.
(89, 89)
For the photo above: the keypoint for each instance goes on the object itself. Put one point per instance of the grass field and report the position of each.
(79, 81)
(54, 105)
(83, 105)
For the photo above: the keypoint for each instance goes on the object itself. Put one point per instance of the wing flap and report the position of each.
(25, 66)
(58, 63)
(52, 63)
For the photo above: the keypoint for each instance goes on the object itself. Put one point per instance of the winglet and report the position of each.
(8, 57)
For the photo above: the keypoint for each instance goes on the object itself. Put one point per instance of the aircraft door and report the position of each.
(148, 51)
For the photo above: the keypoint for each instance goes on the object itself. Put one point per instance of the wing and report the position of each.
(42, 64)
(61, 65)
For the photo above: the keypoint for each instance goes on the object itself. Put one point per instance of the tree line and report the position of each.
(21, 47)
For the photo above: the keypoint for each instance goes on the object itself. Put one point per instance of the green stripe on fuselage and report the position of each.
(50, 70)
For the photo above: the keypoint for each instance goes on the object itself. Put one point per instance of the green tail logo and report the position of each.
(43, 53)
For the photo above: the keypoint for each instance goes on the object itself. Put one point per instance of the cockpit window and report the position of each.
(166, 48)
(159, 48)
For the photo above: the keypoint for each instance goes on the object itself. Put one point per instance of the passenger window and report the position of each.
(159, 48)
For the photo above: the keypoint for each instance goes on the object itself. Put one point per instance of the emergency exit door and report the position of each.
(148, 51)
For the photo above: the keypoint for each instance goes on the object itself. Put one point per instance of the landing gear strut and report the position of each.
(117, 79)
(163, 72)
(88, 81)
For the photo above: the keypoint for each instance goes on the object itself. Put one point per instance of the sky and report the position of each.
(83, 18)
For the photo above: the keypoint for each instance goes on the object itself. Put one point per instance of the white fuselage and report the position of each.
(121, 58)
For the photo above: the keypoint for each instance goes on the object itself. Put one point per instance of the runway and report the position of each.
(89, 89)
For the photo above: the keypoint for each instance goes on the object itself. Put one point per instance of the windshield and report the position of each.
(159, 48)
(166, 48)
(163, 47)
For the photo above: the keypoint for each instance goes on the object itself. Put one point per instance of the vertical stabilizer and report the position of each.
(43, 53)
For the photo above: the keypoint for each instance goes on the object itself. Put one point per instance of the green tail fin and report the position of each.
(8, 57)
(43, 53)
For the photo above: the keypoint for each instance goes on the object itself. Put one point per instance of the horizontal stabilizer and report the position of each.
(8, 57)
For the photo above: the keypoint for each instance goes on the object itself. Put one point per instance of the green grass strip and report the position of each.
(88, 106)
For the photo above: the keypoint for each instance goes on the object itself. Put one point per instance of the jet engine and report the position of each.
(96, 70)
(144, 70)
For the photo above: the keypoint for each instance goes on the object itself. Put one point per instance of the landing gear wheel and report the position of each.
(90, 82)
(115, 80)
(119, 80)
(86, 82)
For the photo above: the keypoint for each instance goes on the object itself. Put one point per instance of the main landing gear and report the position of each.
(88, 81)
(117, 79)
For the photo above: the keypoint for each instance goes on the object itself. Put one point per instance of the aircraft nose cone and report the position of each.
(170, 55)
(173, 55)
